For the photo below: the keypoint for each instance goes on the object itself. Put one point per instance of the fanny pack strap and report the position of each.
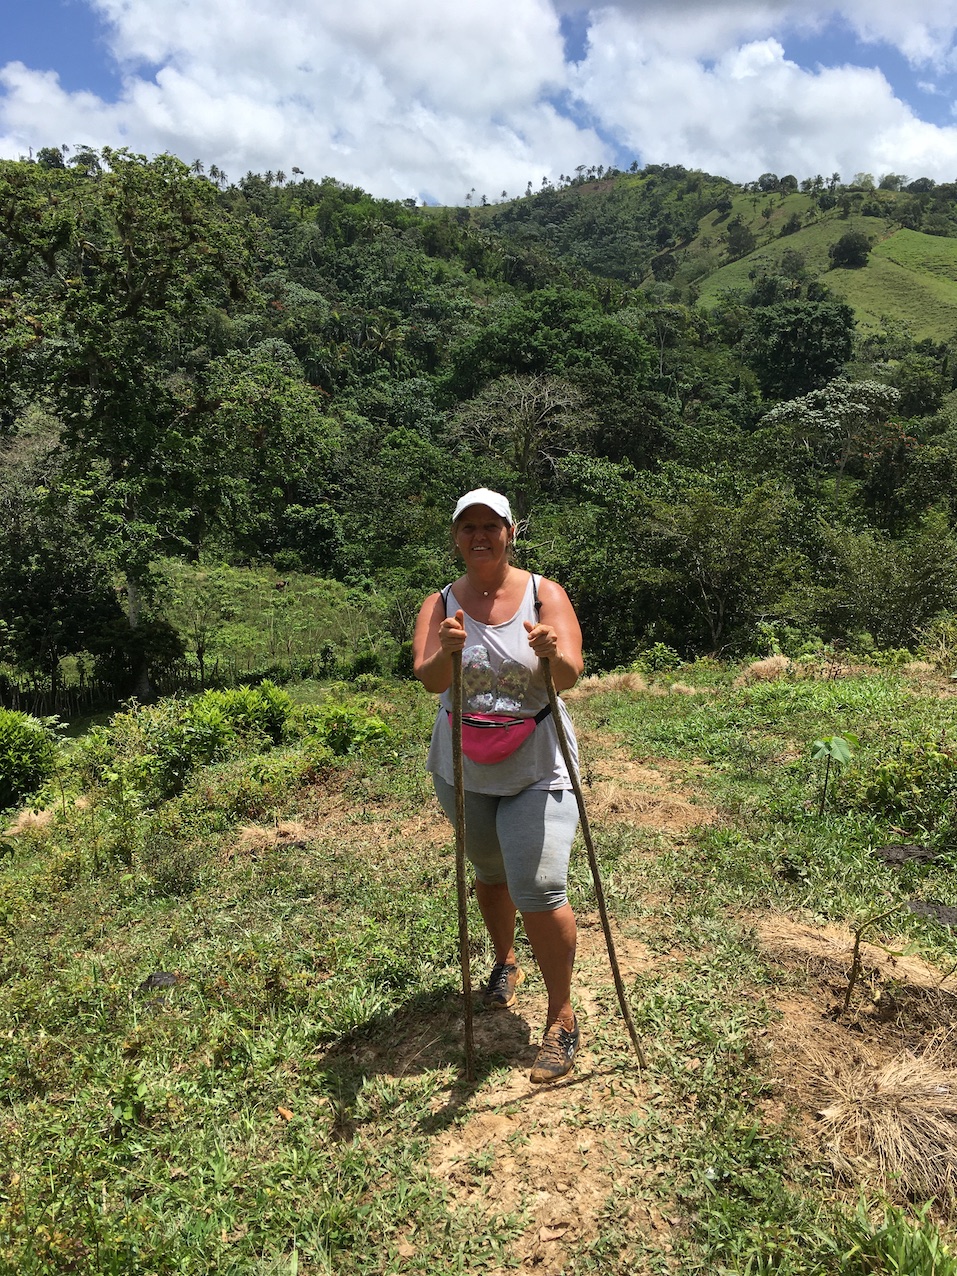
(481, 720)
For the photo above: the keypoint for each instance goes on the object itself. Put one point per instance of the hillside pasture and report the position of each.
(910, 277)
(907, 282)
(812, 241)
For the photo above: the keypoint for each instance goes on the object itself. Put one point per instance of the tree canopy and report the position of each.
(289, 375)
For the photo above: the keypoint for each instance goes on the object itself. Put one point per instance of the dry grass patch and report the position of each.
(685, 689)
(768, 670)
(618, 788)
(252, 839)
(828, 951)
(29, 821)
(650, 807)
(875, 1089)
(606, 684)
(896, 1120)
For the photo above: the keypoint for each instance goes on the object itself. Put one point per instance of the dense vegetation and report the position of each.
(235, 409)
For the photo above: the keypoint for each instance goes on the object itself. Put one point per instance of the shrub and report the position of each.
(365, 662)
(247, 788)
(28, 753)
(346, 728)
(938, 642)
(264, 709)
(917, 788)
(404, 664)
(659, 658)
(93, 755)
(159, 746)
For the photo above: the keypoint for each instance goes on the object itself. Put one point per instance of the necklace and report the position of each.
(487, 592)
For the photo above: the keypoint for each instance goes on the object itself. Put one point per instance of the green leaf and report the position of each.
(835, 747)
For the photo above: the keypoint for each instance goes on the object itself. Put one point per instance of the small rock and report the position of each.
(158, 980)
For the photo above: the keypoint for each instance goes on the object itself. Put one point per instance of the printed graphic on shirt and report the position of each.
(486, 690)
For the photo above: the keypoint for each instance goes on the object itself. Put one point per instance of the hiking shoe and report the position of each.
(502, 982)
(557, 1055)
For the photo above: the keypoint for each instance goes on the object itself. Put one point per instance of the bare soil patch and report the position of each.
(550, 1156)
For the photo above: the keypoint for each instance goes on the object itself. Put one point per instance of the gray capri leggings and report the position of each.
(523, 840)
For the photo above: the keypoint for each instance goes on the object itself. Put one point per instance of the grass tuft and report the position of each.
(609, 684)
(767, 670)
(897, 1120)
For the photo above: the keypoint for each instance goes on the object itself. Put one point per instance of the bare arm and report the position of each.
(436, 637)
(557, 637)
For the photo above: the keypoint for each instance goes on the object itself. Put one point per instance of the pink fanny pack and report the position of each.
(492, 737)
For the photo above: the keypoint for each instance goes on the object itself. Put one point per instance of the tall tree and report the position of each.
(826, 427)
(798, 346)
(525, 423)
(126, 260)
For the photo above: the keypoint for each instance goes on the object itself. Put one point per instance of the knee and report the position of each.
(538, 895)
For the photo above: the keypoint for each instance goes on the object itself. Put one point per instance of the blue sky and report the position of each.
(429, 99)
(930, 92)
(65, 36)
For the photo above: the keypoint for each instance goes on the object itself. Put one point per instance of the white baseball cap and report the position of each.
(485, 496)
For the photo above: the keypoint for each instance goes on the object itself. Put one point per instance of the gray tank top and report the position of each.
(501, 674)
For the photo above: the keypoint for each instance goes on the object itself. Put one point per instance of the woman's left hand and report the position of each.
(543, 640)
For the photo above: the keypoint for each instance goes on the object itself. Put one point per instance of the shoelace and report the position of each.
(498, 979)
(556, 1046)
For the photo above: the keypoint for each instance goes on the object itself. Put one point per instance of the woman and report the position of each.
(520, 812)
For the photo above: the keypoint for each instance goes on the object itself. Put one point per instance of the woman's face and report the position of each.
(481, 536)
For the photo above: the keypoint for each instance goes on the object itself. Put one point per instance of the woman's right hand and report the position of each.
(452, 633)
(436, 639)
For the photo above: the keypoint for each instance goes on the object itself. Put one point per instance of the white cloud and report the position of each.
(705, 28)
(397, 96)
(924, 34)
(750, 110)
(406, 97)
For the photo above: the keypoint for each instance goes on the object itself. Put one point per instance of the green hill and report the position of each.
(667, 225)
(910, 277)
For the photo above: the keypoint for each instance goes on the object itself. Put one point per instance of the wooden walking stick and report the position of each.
(593, 862)
(461, 886)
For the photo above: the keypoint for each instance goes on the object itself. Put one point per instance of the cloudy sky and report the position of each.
(435, 98)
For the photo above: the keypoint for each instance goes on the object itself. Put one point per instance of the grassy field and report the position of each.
(230, 1019)
(910, 277)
